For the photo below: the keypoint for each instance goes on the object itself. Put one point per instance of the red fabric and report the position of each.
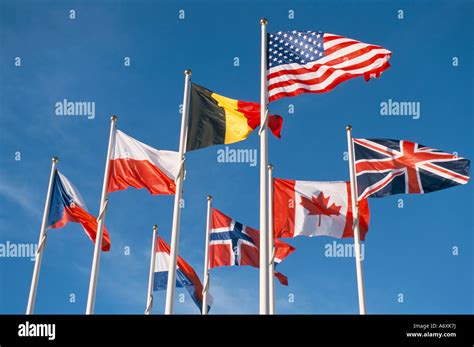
(283, 208)
(364, 217)
(251, 111)
(126, 173)
(219, 255)
(89, 223)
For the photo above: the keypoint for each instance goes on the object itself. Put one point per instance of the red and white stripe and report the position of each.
(344, 59)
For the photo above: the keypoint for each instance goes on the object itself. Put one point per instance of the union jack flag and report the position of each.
(386, 167)
(234, 244)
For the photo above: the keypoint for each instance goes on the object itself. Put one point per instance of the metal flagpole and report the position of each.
(263, 173)
(271, 246)
(151, 275)
(206, 284)
(42, 240)
(355, 214)
(100, 222)
(177, 199)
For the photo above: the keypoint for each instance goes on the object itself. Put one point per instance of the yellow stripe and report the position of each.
(236, 127)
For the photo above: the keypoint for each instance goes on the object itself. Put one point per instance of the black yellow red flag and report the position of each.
(215, 119)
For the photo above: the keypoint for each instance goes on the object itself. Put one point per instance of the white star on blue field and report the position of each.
(418, 259)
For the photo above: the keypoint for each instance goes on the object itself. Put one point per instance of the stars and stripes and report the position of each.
(315, 62)
(386, 167)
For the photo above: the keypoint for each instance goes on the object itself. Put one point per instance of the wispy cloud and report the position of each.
(19, 196)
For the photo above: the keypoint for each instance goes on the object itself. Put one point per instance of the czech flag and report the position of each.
(215, 119)
(185, 275)
(135, 164)
(67, 205)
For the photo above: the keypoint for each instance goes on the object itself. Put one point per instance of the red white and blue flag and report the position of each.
(234, 244)
(386, 167)
(316, 62)
(67, 205)
(185, 275)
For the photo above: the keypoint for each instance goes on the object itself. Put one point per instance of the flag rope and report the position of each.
(272, 259)
(150, 305)
(104, 209)
(205, 288)
(181, 168)
(41, 244)
(265, 121)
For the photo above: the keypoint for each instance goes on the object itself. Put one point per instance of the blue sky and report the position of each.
(408, 250)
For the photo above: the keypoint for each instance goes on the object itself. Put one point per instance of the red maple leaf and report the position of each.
(319, 206)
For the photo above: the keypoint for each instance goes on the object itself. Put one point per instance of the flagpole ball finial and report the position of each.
(349, 127)
(209, 198)
(187, 72)
(113, 118)
(263, 21)
(55, 160)
(155, 227)
(270, 167)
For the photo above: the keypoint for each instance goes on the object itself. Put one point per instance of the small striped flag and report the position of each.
(315, 62)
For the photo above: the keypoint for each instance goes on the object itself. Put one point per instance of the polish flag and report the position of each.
(315, 209)
(67, 205)
(135, 164)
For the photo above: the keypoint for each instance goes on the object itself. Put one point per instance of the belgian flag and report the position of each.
(215, 119)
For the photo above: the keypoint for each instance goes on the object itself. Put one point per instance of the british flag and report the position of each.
(234, 244)
(386, 167)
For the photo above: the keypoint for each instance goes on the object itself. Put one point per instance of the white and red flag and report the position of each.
(135, 164)
(316, 209)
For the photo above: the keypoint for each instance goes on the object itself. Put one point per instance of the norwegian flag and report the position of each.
(234, 244)
(386, 167)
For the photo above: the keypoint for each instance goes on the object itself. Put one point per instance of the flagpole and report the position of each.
(264, 256)
(42, 239)
(177, 199)
(206, 284)
(263, 172)
(355, 213)
(100, 222)
(271, 246)
(151, 274)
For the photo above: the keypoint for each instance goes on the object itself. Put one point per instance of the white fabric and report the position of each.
(126, 147)
(308, 225)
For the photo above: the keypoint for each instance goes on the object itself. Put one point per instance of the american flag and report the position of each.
(387, 167)
(315, 62)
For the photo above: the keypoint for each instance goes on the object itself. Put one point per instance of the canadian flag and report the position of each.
(315, 209)
(135, 164)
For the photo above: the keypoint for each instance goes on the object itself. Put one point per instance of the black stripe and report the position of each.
(206, 123)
